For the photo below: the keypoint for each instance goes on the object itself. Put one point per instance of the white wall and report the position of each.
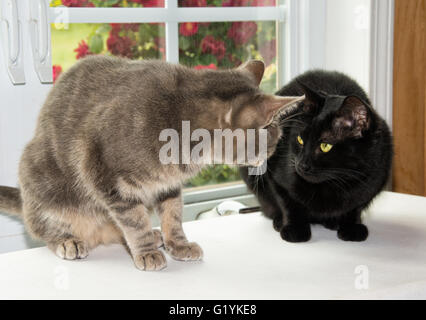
(347, 38)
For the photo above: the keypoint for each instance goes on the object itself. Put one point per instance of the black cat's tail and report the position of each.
(10, 201)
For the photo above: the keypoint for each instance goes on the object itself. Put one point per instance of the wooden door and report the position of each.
(409, 97)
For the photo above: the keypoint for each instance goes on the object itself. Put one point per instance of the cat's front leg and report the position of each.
(351, 228)
(143, 242)
(296, 223)
(175, 242)
(271, 209)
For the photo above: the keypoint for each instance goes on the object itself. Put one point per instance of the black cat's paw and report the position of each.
(353, 232)
(296, 232)
(277, 223)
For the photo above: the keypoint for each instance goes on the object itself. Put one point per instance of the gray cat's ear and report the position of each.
(352, 119)
(272, 105)
(256, 68)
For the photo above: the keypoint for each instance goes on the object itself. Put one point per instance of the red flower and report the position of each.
(82, 50)
(210, 66)
(215, 47)
(242, 32)
(192, 3)
(152, 3)
(268, 51)
(77, 3)
(57, 70)
(131, 26)
(188, 28)
(115, 28)
(120, 46)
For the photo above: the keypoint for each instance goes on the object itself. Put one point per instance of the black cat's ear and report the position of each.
(313, 99)
(256, 68)
(352, 119)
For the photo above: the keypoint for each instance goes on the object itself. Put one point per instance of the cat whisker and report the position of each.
(292, 116)
(349, 175)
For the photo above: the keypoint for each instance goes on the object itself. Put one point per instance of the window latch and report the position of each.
(40, 40)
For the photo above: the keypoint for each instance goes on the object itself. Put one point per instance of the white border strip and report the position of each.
(168, 14)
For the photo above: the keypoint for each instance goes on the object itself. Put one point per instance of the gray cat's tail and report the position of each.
(10, 200)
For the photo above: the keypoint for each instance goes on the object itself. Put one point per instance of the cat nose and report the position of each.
(304, 166)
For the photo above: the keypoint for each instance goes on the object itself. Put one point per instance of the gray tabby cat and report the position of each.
(92, 174)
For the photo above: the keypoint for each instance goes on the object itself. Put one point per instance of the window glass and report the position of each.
(131, 40)
(226, 45)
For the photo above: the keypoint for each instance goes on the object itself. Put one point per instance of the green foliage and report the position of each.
(96, 44)
(214, 175)
(104, 3)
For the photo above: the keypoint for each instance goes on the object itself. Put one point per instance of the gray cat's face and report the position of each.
(250, 114)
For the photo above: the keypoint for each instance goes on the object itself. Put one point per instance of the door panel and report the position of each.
(409, 110)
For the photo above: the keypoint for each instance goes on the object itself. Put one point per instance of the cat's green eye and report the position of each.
(299, 139)
(325, 147)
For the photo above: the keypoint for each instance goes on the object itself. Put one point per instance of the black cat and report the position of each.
(334, 157)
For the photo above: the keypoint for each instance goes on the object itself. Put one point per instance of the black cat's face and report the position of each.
(329, 145)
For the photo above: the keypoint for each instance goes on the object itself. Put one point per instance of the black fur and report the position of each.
(304, 185)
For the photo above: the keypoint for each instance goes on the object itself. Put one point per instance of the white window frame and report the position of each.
(171, 15)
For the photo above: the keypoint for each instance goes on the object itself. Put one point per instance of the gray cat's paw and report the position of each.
(153, 260)
(184, 251)
(158, 238)
(71, 249)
